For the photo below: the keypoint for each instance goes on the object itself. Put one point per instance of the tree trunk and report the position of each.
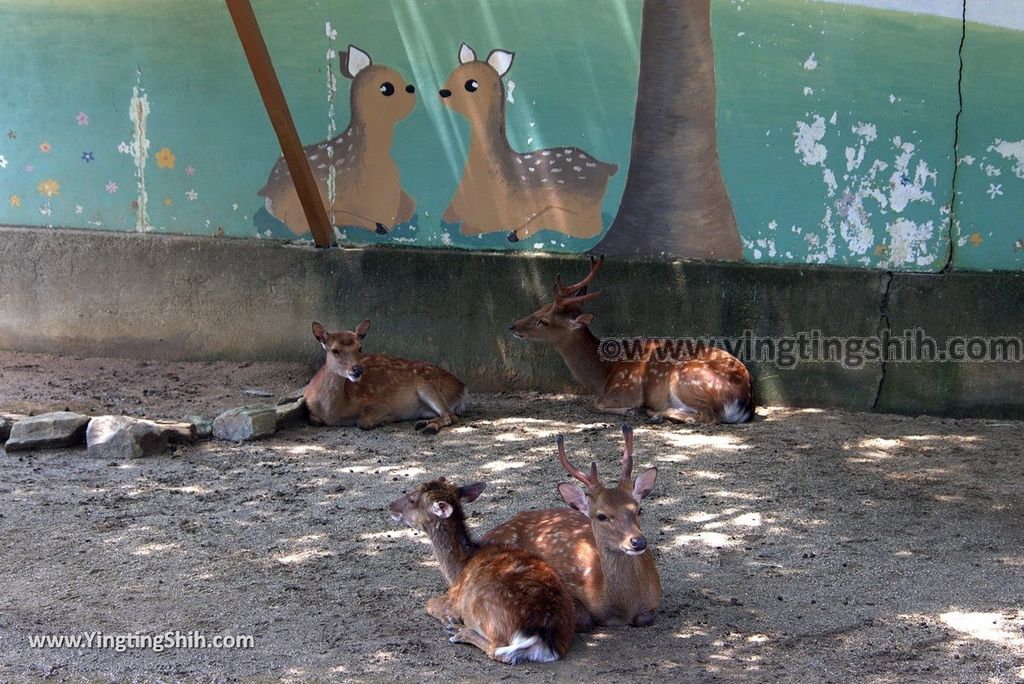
(675, 202)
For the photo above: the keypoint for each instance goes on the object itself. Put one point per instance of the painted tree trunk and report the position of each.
(675, 202)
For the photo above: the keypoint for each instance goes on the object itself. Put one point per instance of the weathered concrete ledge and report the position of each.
(186, 298)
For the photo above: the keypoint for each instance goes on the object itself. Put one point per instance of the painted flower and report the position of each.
(124, 148)
(79, 208)
(45, 210)
(11, 134)
(82, 119)
(15, 201)
(29, 168)
(111, 187)
(165, 158)
(3, 162)
(45, 147)
(192, 195)
(190, 170)
(976, 239)
(994, 190)
(168, 201)
(87, 157)
(48, 188)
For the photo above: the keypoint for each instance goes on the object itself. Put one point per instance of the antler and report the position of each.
(590, 480)
(627, 454)
(561, 291)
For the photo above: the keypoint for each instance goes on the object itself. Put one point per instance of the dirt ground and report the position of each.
(810, 545)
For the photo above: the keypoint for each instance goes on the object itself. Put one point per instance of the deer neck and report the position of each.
(626, 578)
(488, 146)
(580, 353)
(452, 546)
(375, 137)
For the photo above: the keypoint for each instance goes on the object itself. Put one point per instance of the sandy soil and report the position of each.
(808, 546)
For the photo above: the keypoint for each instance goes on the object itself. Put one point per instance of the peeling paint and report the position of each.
(138, 113)
(1010, 150)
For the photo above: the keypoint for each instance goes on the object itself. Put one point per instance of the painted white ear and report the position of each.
(442, 509)
(356, 61)
(466, 54)
(501, 61)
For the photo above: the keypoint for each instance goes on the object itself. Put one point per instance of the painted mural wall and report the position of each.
(782, 131)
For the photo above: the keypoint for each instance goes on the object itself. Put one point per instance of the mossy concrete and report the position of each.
(194, 298)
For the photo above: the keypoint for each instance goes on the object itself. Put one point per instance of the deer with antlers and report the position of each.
(559, 188)
(708, 386)
(510, 603)
(368, 193)
(366, 391)
(597, 545)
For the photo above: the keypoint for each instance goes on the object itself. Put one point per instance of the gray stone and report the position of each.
(292, 396)
(125, 437)
(204, 426)
(291, 413)
(57, 429)
(245, 423)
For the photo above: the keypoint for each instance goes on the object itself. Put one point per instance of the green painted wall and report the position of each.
(836, 123)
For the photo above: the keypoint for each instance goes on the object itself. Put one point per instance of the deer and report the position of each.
(596, 545)
(708, 386)
(558, 188)
(510, 603)
(367, 391)
(368, 192)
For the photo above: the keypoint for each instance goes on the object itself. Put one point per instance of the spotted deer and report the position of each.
(597, 545)
(507, 602)
(559, 188)
(708, 386)
(367, 190)
(366, 391)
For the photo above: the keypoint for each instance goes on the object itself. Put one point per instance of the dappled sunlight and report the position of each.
(302, 556)
(303, 449)
(498, 466)
(155, 547)
(698, 440)
(714, 540)
(998, 627)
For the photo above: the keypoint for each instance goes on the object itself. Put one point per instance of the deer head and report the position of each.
(378, 93)
(474, 88)
(555, 321)
(343, 349)
(613, 511)
(432, 501)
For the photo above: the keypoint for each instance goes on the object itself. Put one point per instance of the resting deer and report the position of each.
(511, 604)
(711, 386)
(559, 188)
(352, 389)
(604, 560)
(367, 190)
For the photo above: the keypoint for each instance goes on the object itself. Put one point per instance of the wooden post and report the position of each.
(281, 119)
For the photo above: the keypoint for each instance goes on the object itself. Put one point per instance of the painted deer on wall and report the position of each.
(366, 391)
(368, 191)
(711, 386)
(507, 602)
(559, 188)
(597, 545)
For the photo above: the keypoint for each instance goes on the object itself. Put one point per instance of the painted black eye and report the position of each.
(387, 88)
(472, 85)
(602, 517)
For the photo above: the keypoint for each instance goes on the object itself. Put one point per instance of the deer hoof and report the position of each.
(381, 229)
(512, 237)
(428, 427)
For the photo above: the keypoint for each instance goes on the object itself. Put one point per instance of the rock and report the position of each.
(5, 428)
(57, 429)
(253, 392)
(179, 433)
(292, 412)
(245, 423)
(203, 425)
(124, 437)
(294, 395)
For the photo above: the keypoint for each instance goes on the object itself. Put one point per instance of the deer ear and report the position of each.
(644, 484)
(353, 61)
(469, 493)
(362, 329)
(501, 61)
(466, 54)
(320, 333)
(581, 321)
(575, 497)
(442, 509)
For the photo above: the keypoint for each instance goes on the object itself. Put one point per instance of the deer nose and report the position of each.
(444, 92)
(410, 88)
(357, 371)
(638, 543)
(512, 328)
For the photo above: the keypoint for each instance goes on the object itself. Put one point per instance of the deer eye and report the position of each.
(335, 352)
(387, 88)
(602, 517)
(472, 85)
(541, 321)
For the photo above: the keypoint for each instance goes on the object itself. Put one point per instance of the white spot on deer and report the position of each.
(556, 170)
(519, 160)
(591, 165)
(546, 153)
(577, 168)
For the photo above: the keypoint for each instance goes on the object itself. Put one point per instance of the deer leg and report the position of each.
(644, 619)
(435, 402)
(371, 416)
(406, 207)
(599, 407)
(675, 415)
(584, 620)
(468, 635)
(440, 608)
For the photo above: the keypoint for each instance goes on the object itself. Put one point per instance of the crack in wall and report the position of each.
(883, 325)
(950, 254)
